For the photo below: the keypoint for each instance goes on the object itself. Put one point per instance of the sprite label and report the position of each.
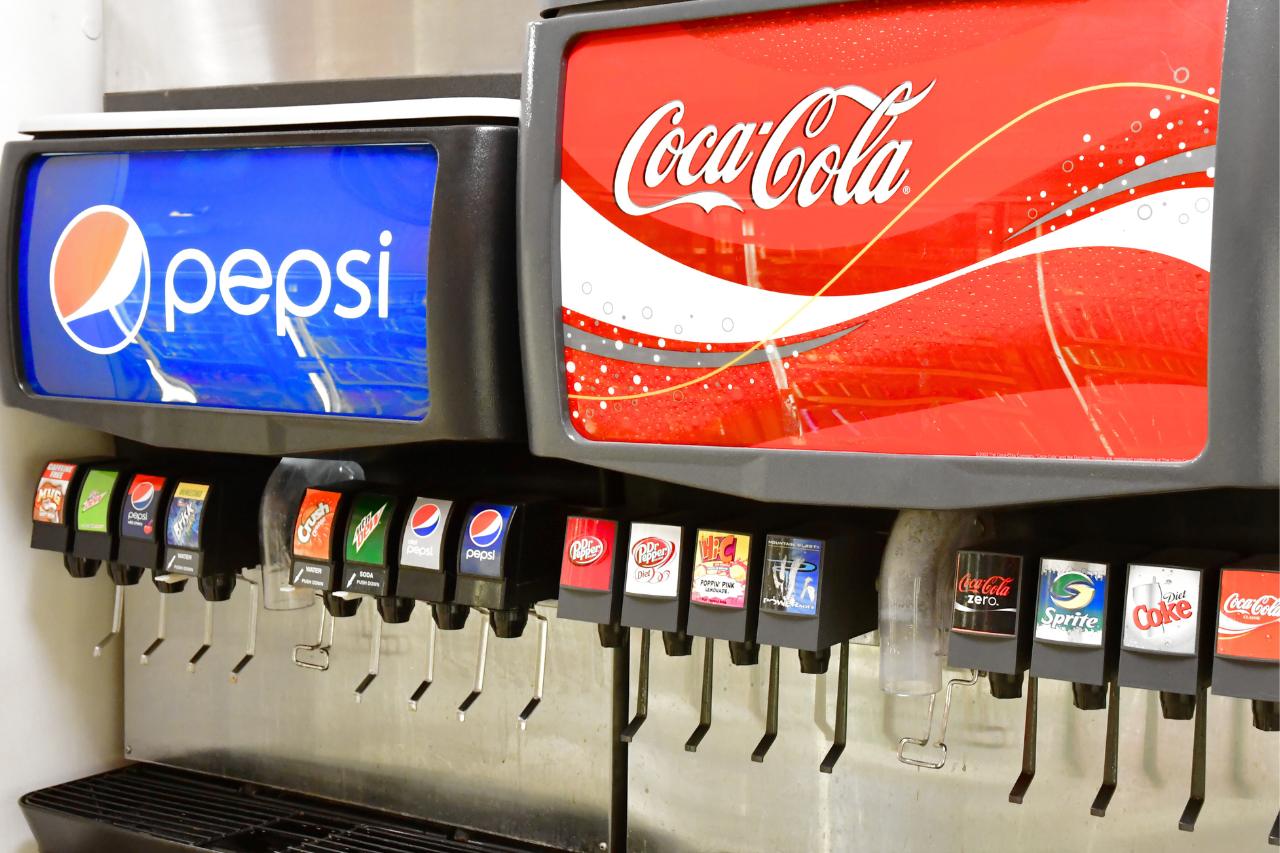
(367, 529)
(95, 500)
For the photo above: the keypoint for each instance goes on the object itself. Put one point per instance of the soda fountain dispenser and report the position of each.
(592, 573)
(317, 563)
(1167, 646)
(141, 543)
(1246, 661)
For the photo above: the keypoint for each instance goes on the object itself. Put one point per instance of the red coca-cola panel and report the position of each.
(1249, 615)
(589, 547)
(974, 228)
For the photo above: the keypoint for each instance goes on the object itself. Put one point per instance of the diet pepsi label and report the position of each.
(140, 510)
(1162, 610)
(484, 539)
(422, 544)
(653, 560)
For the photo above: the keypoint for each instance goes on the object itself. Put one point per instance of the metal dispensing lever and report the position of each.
(842, 713)
(642, 692)
(320, 647)
(1111, 758)
(540, 678)
(207, 642)
(1187, 823)
(704, 712)
(431, 667)
(251, 646)
(481, 659)
(150, 650)
(117, 622)
(375, 659)
(771, 710)
(1019, 790)
(941, 743)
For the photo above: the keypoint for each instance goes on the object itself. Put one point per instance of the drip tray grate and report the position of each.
(144, 808)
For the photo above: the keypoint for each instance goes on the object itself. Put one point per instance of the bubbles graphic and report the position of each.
(646, 312)
(586, 287)
(1183, 218)
(1202, 205)
(1181, 74)
(1144, 211)
(607, 308)
(727, 324)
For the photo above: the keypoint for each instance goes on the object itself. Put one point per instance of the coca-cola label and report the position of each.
(50, 506)
(1162, 610)
(653, 560)
(721, 569)
(1071, 602)
(1249, 615)
(588, 557)
(986, 593)
(808, 229)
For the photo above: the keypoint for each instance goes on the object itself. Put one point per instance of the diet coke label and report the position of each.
(986, 593)
(1249, 615)
(653, 560)
(1162, 610)
(589, 545)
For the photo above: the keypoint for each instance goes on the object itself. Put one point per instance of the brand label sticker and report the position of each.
(587, 562)
(51, 493)
(423, 538)
(140, 510)
(186, 513)
(367, 529)
(792, 573)
(720, 569)
(1249, 615)
(653, 560)
(1071, 601)
(313, 529)
(95, 500)
(484, 539)
(1162, 610)
(986, 593)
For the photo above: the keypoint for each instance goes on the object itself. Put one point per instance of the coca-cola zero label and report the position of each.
(986, 593)
(587, 562)
(1249, 615)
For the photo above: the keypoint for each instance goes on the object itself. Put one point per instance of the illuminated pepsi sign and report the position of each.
(289, 279)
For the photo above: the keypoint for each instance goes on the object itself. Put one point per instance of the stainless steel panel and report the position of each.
(719, 800)
(285, 726)
(173, 44)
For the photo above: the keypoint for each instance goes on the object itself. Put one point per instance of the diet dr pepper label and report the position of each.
(95, 500)
(653, 560)
(50, 504)
(1070, 602)
(792, 571)
(720, 569)
(1249, 615)
(986, 595)
(1162, 610)
(589, 545)
(421, 544)
(140, 511)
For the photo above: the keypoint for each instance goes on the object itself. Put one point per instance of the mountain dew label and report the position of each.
(367, 530)
(95, 500)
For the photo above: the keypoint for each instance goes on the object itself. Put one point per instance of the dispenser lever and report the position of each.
(1274, 837)
(1111, 758)
(1187, 823)
(642, 692)
(375, 659)
(771, 709)
(250, 649)
(541, 677)
(208, 638)
(481, 659)
(150, 650)
(704, 710)
(319, 646)
(842, 713)
(1019, 790)
(941, 743)
(117, 622)
(431, 667)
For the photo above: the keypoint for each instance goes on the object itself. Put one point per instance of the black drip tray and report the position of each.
(144, 808)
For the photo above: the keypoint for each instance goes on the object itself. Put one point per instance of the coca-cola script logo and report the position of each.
(585, 550)
(1263, 607)
(859, 164)
(652, 553)
(997, 585)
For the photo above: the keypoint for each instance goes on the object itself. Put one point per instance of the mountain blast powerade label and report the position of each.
(95, 500)
(792, 572)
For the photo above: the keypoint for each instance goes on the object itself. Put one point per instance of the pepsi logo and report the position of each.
(425, 520)
(485, 528)
(652, 552)
(585, 550)
(99, 262)
(141, 495)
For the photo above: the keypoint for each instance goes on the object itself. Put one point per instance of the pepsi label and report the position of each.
(484, 539)
(423, 539)
(140, 510)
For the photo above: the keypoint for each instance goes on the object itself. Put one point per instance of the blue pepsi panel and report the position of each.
(484, 537)
(272, 279)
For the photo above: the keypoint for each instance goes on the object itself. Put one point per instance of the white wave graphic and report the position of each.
(610, 276)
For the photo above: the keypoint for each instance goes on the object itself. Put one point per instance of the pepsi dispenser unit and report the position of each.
(893, 347)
